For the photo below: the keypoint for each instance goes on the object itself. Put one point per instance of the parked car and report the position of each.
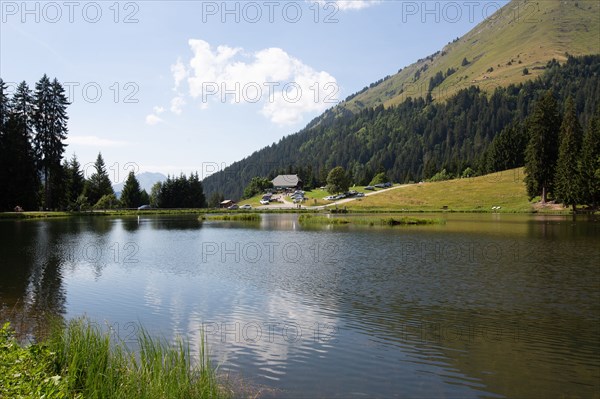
(233, 207)
(380, 185)
(351, 193)
(144, 207)
(370, 188)
(264, 202)
(246, 206)
(387, 185)
(360, 195)
(329, 198)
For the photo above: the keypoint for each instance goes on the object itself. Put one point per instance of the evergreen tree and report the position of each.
(196, 192)
(74, 181)
(144, 198)
(131, 196)
(542, 149)
(18, 175)
(4, 107)
(98, 185)
(568, 179)
(4, 114)
(507, 150)
(590, 162)
(50, 121)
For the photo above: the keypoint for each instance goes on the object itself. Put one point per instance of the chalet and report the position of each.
(285, 182)
(226, 204)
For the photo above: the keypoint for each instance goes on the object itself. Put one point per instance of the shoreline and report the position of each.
(189, 212)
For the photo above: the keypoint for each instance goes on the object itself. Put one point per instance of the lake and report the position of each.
(484, 306)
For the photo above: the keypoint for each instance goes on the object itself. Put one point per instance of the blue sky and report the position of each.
(184, 86)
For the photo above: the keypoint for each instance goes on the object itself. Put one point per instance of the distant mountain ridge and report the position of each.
(146, 180)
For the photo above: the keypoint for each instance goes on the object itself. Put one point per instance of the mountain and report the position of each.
(522, 34)
(146, 180)
(478, 88)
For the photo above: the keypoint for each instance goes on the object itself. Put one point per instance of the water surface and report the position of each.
(484, 306)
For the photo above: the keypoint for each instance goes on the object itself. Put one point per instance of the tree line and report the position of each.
(472, 131)
(34, 174)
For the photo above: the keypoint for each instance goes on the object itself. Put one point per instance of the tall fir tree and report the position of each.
(131, 194)
(542, 149)
(4, 114)
(590, 162)
(74, 181)
(4, 107)
(99, 183)
(50, 121)
(568, 183)
(18, 174)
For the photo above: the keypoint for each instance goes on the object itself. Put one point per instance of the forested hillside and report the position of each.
(419, 137)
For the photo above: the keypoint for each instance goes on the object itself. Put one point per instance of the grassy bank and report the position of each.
(479, 194)
(240, 217)
(367, 220)
(78, 361)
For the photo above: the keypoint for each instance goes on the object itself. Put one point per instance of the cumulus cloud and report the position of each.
(348, 4)
(94, 141)
(285, 87)
(158, 110)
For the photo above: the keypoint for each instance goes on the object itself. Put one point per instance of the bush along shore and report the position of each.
(79, 361)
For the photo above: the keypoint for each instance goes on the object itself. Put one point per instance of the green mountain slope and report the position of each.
(376, 129)
(522, 34)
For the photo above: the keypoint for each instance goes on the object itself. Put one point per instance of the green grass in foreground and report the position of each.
(367, 220)
(78, 361)
(242, 217)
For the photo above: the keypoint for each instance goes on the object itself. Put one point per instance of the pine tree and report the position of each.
(18, 174)
(507, 150)
(590, 162)
(196, 192)
(4, 107)
(4, 114)
(74, 181)
(50, 121)
(131, 194)
(144, 198)
(568, 178)
(542, 149)
(98, 185)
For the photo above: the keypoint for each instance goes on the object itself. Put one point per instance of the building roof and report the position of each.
(227, 202)
(286, 181)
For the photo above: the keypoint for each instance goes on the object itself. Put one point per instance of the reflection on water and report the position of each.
(483, 306)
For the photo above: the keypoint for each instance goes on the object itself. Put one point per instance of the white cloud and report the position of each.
(158, 110)
(177, 104)
(348, 4)
(179, 72)
(153, 120)
(284, 86)
(95, 141)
